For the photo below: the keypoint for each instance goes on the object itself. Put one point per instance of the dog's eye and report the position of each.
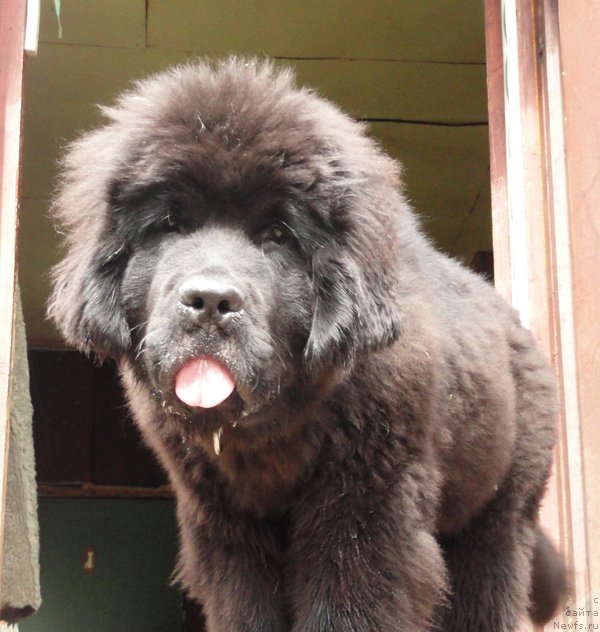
(275, 234)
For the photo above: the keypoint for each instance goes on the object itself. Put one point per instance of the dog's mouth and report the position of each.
(210, 387)
(210, 391)
(203, 382)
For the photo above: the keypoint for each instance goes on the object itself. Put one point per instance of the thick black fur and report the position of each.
(390, 435)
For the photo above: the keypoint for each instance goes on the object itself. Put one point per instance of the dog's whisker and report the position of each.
(139, 325)
(274, 348)
(140, 348)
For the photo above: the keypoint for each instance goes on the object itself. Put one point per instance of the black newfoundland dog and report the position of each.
(357, 429)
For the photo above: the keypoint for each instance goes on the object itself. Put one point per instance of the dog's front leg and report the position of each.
(362, 559)
(231, 565)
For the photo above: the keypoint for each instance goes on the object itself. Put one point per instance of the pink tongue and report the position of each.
(203, 382)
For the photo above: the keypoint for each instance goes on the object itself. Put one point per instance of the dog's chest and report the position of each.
(265, 481)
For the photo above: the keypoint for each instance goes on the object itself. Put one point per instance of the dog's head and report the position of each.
(223, 213)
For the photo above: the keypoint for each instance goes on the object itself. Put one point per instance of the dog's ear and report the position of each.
(85, 301)
(354, 308)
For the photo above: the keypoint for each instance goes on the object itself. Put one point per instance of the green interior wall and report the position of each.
(129, 590)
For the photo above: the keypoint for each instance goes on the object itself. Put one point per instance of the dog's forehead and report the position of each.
(239, 132)
(221, 163)
(242, 121)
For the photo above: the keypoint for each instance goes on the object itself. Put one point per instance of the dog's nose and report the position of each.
(210, 300)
